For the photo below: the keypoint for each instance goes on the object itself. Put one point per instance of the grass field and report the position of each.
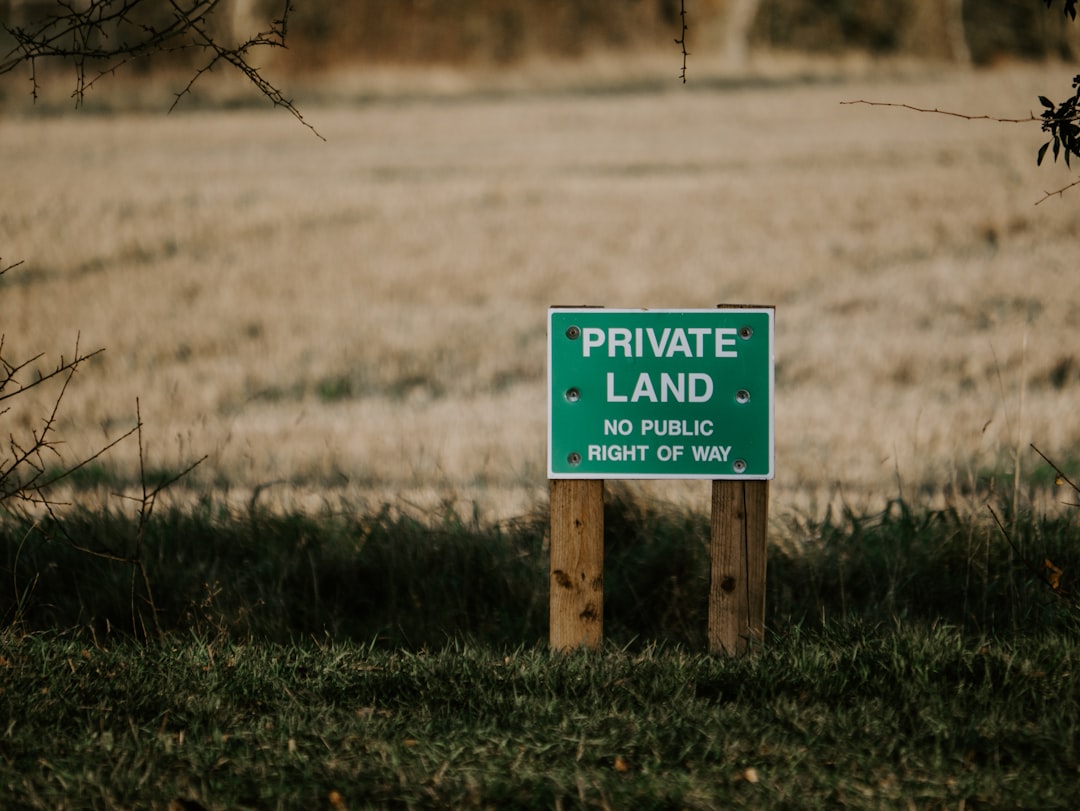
(850, 719)
(366, 315)
(913, 659)
(347, 606)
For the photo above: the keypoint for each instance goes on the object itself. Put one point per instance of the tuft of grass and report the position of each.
(906, 565)
(331, 389)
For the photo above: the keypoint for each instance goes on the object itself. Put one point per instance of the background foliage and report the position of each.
(505, 31)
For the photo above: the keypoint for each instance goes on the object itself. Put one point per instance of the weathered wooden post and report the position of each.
(660, 394)
(577, 564)
(739, 528)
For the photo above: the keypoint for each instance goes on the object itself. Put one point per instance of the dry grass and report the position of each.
(367, 314)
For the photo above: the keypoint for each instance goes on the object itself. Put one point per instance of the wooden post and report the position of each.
(577, 564)
(740, 511)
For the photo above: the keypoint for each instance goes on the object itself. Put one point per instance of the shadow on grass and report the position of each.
(405, 582)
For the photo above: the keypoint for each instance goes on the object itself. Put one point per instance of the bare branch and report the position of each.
(89, 459)
(1061, 477)
(24, 464)
(1059, 193)
(274, 37)
(9, 371)
(681, 39)
(1031, 116)
(1051, 120)
(101, 36)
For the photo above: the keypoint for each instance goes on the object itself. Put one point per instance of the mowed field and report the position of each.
(365, 317)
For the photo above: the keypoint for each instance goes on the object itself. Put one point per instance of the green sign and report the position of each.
(660, 394)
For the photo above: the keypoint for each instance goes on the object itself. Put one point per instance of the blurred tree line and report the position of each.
(324, 33)
(992, 30)
(506, 31)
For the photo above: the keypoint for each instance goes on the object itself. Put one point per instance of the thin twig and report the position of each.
(4, 270)
(1060, 473)
(93, 457)
(681, 39)
(61, 368)
(965, 116)
(996, 119)
(1059, 193)
(1040, 574)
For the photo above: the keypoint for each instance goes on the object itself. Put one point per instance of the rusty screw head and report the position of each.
(573, 332)
(574, 458)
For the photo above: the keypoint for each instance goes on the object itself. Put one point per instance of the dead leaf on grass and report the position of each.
(1053, 574)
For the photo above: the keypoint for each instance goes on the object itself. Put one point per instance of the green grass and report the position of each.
(913, 658)
(850, 717)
